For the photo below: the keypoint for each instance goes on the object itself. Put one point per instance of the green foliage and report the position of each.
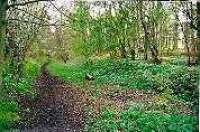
(135, 120)
(23, 84)
(105, 122)
(9, 109)
(104, 33)
(177, 60)
(71, 73)
(31, 70)
(131, 74)
(80, 23)
(8, 114)
(165, 78)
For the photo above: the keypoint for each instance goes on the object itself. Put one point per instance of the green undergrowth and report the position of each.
(131, 75)
(24, 84)
(8, 114)
(9, 110)
(178, 80)
(169, 79)
(70, 73)
(178, 60)
(31, 69)
(134, 119)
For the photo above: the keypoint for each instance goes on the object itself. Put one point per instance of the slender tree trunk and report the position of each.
(147, 43)
(146, 40)
(175, 37)
(193, 48)
(184, 29)
(3, 26)
(122, 49)
(132, 49)
(198, 31)
(132, 52)
(145, 49)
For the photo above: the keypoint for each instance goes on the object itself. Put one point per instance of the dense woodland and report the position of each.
(116, 66)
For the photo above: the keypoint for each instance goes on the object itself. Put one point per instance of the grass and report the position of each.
(70, 73)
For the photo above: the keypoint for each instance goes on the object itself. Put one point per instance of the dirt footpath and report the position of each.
(58, 108)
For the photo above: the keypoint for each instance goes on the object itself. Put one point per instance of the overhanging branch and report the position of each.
(32, 15)
(41, 24)
(25, 3)
(33, 22)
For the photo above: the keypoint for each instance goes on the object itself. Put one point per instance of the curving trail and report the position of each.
(60, 107)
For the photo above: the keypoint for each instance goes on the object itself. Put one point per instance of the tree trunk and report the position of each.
(184, 29)
(132, 52)
(123, 51)
(147, 42)
(175, 37)
(3, 26)
(198, 31)
(12, 55)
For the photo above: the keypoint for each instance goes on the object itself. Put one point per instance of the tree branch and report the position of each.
(31, 15)
(41, 24)
(25, 3)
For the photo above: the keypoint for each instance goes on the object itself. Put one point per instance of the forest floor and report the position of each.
(116, 100)
(58, 106)
(62, 107)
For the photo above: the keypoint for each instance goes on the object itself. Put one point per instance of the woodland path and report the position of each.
(59, 107)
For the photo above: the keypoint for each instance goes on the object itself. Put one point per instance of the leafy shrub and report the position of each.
(31, 69)
(24, 84)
